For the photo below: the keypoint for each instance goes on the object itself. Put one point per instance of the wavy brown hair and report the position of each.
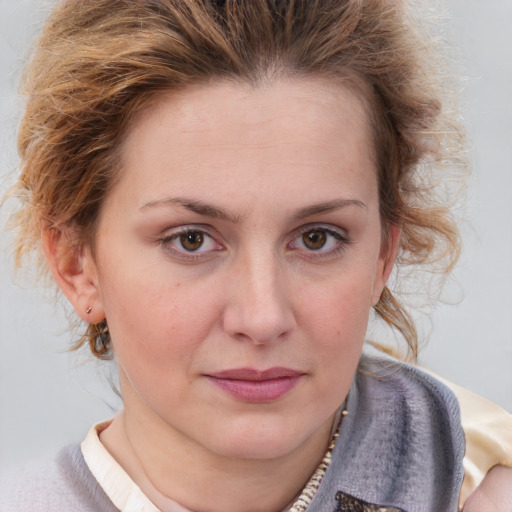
(98, 62)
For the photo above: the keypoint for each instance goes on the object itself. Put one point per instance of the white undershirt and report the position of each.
(124, 493)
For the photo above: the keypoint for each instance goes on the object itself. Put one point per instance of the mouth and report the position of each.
(257, 386)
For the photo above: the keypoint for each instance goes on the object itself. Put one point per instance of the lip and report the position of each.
(257, 386)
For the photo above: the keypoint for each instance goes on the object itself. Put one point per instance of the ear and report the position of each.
(386, 262)
(74, 269)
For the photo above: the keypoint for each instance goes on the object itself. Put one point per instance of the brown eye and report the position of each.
(314, 240)
(192, 240)
(190, 244)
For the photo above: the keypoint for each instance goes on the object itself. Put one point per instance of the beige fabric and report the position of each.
(488, 431)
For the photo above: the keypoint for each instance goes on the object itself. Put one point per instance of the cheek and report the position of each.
(338, 334)
(337, 320)
(159, 322)
(337, 315)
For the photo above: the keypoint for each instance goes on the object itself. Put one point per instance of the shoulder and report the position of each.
(410, 389)
(37, 486)
(401, 443)
(486, 427)
(488, 432)
(414, 407)
(61, 484)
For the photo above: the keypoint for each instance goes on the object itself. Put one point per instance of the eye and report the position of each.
(190, 241)
(314, 240)
(320, 239)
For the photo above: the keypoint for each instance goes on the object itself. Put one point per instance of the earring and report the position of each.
(88, 310)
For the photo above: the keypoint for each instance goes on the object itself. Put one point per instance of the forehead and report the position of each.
(279, 102)
(226, 134)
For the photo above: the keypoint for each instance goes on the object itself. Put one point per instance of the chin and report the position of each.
(255, 449)
(257, 441)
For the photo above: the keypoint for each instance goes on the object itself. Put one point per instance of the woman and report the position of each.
(221, 190)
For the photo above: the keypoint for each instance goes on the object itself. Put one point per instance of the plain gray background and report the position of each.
(49, 397)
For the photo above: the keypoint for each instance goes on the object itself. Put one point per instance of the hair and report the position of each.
(99, 62)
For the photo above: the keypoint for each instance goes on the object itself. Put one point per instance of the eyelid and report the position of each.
(185, 228)
(330, 228)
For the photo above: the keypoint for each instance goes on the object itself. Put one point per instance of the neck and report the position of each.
(165, 464)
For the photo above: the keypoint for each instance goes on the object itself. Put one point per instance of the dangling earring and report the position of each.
(102, 340)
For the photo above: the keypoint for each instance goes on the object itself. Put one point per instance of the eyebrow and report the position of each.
(328, 206)
(209, 210)
(199, 207)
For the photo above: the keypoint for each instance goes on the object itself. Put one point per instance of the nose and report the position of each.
(259, 309)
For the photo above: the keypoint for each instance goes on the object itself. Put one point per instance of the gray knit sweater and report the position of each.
(400, 448)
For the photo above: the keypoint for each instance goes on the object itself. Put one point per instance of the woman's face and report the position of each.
(237, 260)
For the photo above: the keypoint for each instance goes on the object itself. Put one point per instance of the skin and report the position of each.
(255, 172)
(494, 493)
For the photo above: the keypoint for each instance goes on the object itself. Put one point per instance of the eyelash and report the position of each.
(341, 242)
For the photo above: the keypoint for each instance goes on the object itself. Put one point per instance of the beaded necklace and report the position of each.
(309, 491)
